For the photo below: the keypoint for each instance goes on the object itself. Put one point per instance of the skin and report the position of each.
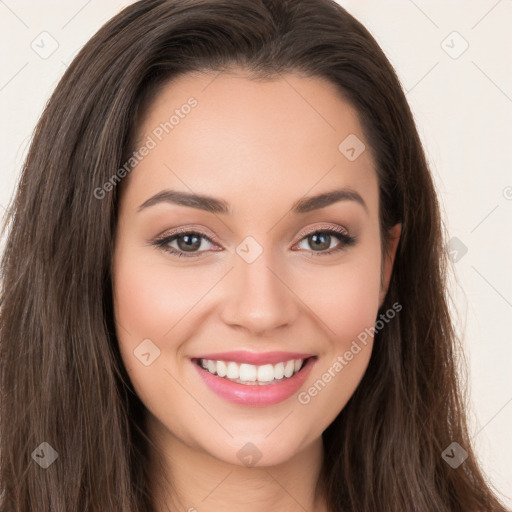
(260, 146)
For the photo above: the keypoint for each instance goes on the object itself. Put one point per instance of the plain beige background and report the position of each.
(453, 60)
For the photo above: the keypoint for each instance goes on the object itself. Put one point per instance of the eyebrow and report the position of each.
(215, 205)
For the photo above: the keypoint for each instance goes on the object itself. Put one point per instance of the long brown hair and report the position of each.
(62, 378)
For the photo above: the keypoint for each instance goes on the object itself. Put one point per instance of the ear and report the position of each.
(388, 260)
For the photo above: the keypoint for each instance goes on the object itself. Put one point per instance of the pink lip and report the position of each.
(243, 356)
(255, 395)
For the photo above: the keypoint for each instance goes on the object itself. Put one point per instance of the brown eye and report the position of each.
(320, 241)
(187, 243)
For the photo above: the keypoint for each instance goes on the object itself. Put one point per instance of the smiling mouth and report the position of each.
(253, 375)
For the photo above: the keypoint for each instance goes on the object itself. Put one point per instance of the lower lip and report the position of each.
(256, 395)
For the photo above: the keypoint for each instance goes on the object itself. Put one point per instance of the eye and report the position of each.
(321, 239)
(187, 243)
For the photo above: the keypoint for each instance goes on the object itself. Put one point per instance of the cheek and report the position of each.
(353, 306)
(150, 302)
(346, 299)
(150, 298)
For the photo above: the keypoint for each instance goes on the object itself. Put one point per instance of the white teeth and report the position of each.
(221, 368)
(250, 373)
(288, 368)
(233, 371)
(279, 371)
(266, 373)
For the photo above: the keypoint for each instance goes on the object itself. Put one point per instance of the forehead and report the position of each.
(245, 138)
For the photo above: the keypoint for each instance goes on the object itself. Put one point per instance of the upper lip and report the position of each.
(255, 358)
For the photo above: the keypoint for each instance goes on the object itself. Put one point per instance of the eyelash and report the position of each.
(345, 239)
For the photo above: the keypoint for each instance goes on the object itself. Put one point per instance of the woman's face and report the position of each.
(256, 278)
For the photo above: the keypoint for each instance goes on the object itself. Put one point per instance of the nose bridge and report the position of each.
(259, 298)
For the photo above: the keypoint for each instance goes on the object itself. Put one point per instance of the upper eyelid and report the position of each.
(215, 239)
(324, 228)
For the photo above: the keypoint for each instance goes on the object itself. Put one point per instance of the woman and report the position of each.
(224, 280)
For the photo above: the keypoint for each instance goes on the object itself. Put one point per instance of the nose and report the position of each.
(258, 296)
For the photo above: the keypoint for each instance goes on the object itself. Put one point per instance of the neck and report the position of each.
(192, 480)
